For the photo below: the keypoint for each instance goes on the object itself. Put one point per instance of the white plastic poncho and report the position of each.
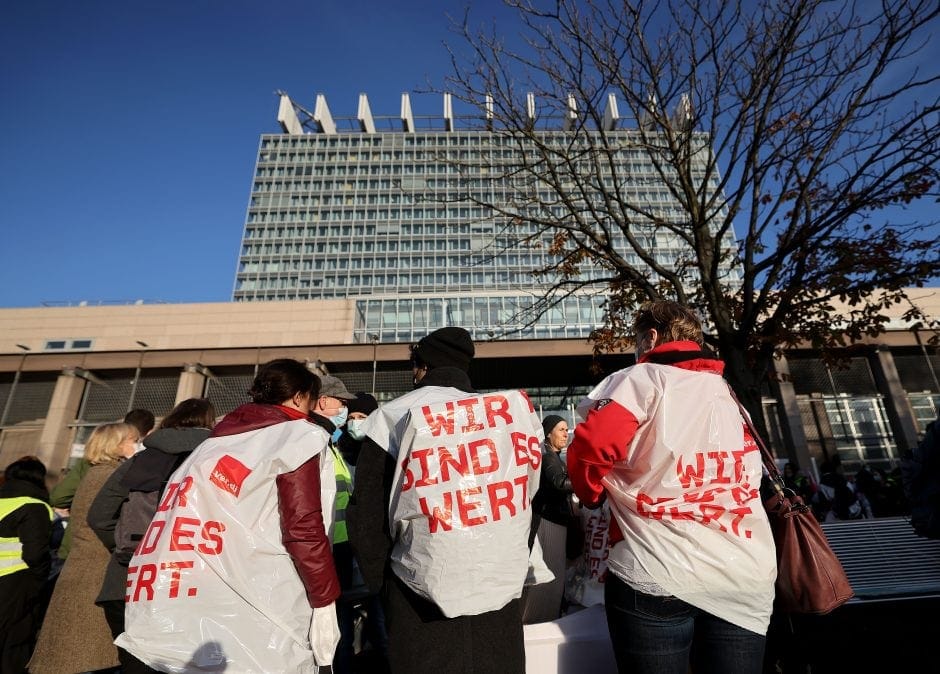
(687, 497)
(211, 586)
(467, 469)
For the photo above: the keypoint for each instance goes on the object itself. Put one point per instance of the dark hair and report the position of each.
(28, 469)
(141, 419)
(191, 413)
(280, 379)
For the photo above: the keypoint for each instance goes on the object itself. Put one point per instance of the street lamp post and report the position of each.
(374, 338)
(16, 380)
(140, 364)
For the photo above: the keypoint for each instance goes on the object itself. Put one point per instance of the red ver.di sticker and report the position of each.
(228, 474)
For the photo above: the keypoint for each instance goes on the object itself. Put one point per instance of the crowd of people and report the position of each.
(313, 528)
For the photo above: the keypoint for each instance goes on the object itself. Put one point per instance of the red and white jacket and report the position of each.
(665, 444)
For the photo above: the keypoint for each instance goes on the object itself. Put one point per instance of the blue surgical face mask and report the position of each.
(339, 418)
(354, 428)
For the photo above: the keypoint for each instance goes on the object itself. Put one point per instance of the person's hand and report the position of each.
(324, 634)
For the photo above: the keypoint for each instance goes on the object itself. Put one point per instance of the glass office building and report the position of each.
(398, 219)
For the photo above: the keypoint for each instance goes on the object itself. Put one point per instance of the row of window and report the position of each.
(67, 344)
(451, 262)
(452, 229)
(358, 246)
(397, 186)
(365, 214)
(476, 153)
(437, 281)
(441, 139)
(661, 244)
(315, 199)
(474, 175)
(497, 310)
(396, 156)
(440, 212)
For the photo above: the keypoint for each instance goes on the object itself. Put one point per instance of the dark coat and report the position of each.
(165, 449)
(19, 591)
(552, 500)
(420, 638)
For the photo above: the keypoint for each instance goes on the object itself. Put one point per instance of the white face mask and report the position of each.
(354, 428)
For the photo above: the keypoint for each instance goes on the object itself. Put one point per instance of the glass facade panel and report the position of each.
(861, 431)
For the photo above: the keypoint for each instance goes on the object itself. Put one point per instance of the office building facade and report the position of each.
(400, 220)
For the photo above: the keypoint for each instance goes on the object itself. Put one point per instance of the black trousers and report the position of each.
(114, 614)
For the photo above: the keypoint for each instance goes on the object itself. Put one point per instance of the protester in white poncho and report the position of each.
(692, 565)
(235, 571)
(441, 511)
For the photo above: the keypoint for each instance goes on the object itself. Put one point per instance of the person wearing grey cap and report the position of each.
(331, 403)
(420, 637)
(330, 409)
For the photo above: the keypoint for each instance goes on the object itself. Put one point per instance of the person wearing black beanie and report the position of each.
(554, 523)
(446, 347)
(356, 599)
(549, 423)
(364, 403)
(350, 442)
(421, 639)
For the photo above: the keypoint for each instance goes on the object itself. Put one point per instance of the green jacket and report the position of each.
(61, 497)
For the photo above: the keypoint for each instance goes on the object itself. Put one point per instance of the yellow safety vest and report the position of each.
(11, 549)
(343, 489)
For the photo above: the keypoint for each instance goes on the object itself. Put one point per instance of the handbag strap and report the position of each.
(770, 465)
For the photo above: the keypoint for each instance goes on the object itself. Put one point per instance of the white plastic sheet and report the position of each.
(460, 510)
(584, 581)
(686, 499)
(211, 586)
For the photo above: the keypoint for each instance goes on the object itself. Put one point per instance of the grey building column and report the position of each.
(791, 422)
(54, 442)
(898, 407)
(192, 382)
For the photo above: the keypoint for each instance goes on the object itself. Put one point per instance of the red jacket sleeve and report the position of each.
(603, 439)
(303, 533)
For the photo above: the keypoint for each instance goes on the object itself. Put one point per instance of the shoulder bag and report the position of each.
(810, 578)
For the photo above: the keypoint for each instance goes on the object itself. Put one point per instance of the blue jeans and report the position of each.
(663, 635)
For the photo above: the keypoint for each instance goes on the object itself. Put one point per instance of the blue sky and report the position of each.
(129, 130)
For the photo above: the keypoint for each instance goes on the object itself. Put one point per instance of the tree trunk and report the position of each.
(745, 377)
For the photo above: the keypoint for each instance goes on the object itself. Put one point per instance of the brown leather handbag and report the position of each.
(810, 578)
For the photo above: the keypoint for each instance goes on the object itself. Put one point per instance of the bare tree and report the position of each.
(790, 135)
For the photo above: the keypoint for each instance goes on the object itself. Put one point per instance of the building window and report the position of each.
(67, 344)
